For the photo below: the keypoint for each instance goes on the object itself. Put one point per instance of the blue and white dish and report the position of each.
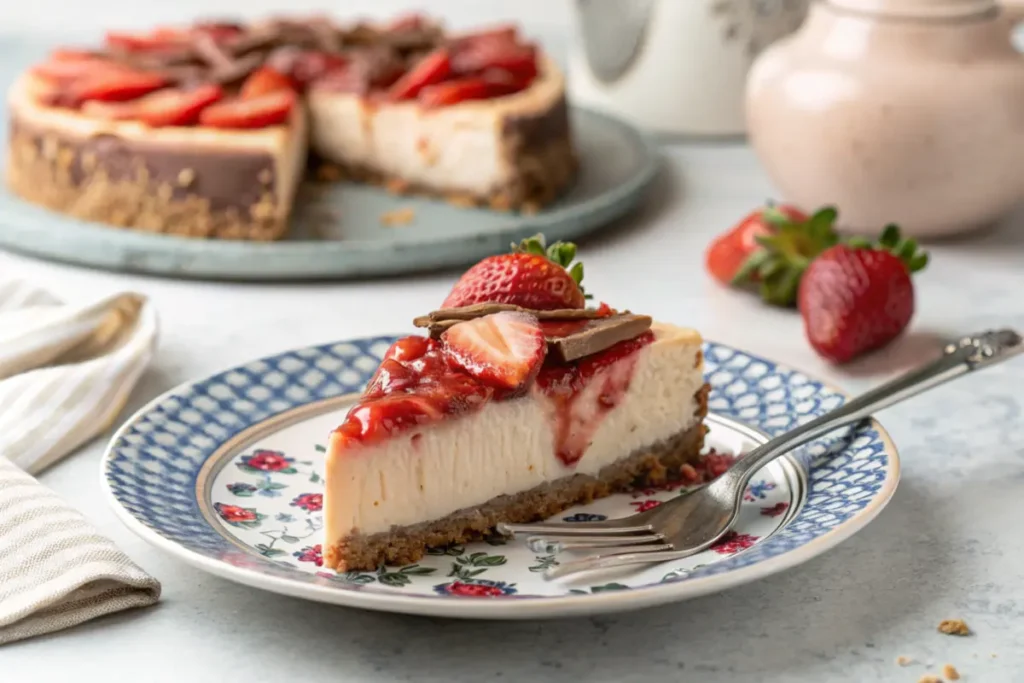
(226, 474)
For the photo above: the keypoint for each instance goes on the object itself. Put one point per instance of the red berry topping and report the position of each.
(259, 112)
(410, 348)
(504, 350)
(475, 57)
(433, 68)
(532, 276)
(114, 85)
(264, 80)
(169, 107)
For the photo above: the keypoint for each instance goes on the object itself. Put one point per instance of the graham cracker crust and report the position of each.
(403, 545)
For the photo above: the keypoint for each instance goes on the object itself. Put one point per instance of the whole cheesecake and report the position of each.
(208, 130)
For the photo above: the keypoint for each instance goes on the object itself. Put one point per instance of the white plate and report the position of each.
(226, 474)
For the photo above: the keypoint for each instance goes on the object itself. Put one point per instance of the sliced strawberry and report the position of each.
(504, 82)
(259, 112)
(66, 67)
(433, 68)
(177, 107)
(453, 92)
(110, 111)
(169, 107)
(504, 350)
(518, 59)
(264, 80)
(114, 85)
(158, 39)
(310, 66)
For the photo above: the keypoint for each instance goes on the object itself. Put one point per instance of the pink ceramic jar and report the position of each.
(906, 111)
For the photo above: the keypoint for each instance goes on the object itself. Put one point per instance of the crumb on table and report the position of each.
(950, 673)
(904, 661)
(954, 627)
(929, 678)
(328, 173)
(396, 217)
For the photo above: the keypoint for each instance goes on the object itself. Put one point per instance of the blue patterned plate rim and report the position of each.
(781, 551)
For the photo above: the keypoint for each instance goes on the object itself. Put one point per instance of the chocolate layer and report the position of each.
(238, 178)
(146, 186)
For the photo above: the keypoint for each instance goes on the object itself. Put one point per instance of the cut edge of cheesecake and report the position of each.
(181, 180)
(511, 152)
(650, 460)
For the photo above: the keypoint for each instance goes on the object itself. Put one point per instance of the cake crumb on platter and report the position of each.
(950, 673)
(954, 627)
(328, 173)
(398, 217)
(929, 678)
(903, 660)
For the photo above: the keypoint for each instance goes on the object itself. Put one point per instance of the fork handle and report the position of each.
(970, 353)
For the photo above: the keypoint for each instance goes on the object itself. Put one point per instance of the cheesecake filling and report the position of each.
(559, 428)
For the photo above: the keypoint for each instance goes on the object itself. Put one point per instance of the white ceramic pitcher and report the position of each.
(673, 66)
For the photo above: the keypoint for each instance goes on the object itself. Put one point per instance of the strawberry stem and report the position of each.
(905, 249)
(560, 253)
(777, 267)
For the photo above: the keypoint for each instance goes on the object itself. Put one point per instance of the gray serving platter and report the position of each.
(337, 233)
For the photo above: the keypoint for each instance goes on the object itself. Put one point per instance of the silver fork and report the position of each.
(693, 522)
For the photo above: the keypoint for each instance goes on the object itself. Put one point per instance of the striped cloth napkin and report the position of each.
(65, 373)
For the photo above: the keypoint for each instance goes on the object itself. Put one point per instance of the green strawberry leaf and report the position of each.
(918, 262)
(576, 272)
(753, 264)
(890, 236)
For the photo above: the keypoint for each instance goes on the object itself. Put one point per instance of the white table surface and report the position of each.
(949, 544)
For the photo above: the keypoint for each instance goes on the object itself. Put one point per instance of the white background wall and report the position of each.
(94, 15)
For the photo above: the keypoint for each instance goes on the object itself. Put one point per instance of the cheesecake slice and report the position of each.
(441, 447)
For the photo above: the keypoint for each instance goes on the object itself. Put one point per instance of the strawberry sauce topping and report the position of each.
(580, 404)
(423, 381)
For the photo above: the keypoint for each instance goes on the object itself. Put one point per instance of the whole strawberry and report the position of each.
(854, 299)
(532, 276)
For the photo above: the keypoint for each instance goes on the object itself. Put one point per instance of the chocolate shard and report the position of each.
(257, 39)
(325, 34)
(207, 49)
(597, 335)
(480, 310)
(235, 70)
